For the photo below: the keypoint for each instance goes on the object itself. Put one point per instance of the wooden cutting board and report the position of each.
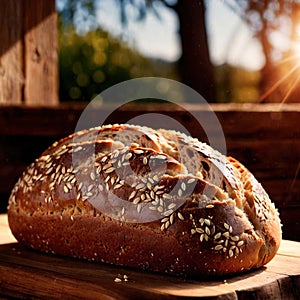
(28, 274)
(25, 273)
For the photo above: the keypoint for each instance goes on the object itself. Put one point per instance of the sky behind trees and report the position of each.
(251, 35)
(230, 40)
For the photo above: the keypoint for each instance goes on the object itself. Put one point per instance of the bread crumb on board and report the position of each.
(121, 278)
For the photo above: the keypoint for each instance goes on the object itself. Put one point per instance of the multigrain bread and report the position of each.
(155, 200)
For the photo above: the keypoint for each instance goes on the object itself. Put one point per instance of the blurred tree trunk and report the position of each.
(269, 89)
(292, 93)
(195, 66)
(268, 76)
(279, 80)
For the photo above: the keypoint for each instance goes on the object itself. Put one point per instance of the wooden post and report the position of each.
(11, 49)
(41, 69)
(28, 55)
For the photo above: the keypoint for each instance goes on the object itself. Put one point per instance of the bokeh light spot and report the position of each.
(100, 58)
(98, 76)
(83, 79)
(75, 92)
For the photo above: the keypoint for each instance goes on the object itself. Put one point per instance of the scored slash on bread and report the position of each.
(156, 200)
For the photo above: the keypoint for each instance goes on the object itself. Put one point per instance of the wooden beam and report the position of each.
(28, 52)
(40, 50)
(11, 51)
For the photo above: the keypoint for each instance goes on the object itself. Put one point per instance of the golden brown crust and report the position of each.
(261, 211)
(136, 200)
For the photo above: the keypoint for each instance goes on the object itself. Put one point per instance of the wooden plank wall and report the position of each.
(28, 52)
(266, 138)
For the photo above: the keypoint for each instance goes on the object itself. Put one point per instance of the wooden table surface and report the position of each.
(28, 274)
(5, 233)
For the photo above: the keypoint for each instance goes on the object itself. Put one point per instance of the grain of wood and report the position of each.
(11, 50)
(20, 269)
(40, 42)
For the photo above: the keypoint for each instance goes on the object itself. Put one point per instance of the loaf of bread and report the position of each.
(156, 200)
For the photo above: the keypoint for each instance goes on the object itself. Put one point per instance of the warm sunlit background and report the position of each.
(252, 46)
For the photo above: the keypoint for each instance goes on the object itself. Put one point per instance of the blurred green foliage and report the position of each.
(236, 84)
(90, 63)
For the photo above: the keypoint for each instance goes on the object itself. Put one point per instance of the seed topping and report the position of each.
(220, 235)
